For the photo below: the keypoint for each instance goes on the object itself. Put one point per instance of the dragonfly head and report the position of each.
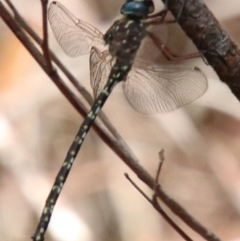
(137, 8)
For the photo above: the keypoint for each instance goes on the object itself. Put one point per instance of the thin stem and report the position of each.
(160, 210)
(45, 47)
(72, 79)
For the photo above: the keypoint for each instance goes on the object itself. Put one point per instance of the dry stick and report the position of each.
(160, 210)
(39, 41)
(79, 87)
(154, 201)
(7, 18)
(116, 146)
(73, 80)
(161, 160)
(103, 117)
(45, 35)
(211, 39)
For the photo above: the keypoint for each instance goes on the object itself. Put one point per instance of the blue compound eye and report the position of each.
(137, 8)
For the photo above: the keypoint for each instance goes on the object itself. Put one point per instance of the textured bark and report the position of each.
(211, 39)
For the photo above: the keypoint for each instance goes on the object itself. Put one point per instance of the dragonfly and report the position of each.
(114, 58)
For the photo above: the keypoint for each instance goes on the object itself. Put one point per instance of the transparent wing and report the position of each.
(100, 67)
(163, 88)
(148, 88)
(75, 36)
(101, 64)
(148, 51)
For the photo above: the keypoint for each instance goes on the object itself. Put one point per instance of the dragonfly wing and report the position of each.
(100, 67)
(163, 88)
(75, 36)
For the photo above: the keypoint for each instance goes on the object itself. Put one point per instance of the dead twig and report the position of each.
(210, 38)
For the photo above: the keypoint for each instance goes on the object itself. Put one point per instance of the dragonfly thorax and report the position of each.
(137, 8)
(124, 38)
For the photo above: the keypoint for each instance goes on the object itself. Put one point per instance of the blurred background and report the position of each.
(37, 125)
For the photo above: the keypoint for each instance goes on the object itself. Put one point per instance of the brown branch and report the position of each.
(39, 41)
(211, 39)
(154, 201)
(45, 47)
(70, 77)
(118, 147)
(28, 44)
(156, 205)
(161, 160)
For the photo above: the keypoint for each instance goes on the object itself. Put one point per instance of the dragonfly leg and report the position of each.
(167, 52)
(162, 14)
(159, 18)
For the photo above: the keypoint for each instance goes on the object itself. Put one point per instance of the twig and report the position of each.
(39, 41)
(161, 160)
(72, 79)
(211, 39)
(160, 210)
(7, 18)
(45, 47)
